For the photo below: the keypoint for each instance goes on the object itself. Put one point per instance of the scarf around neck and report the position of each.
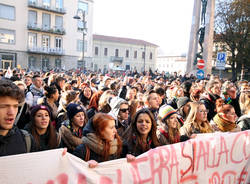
(96, 144)
(224, 125)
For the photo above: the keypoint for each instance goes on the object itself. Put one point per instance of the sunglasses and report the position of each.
(124, 110)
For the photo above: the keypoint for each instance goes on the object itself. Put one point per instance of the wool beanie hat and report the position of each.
(182, 101)
(166, 111)
(37, 108)
(73, 109)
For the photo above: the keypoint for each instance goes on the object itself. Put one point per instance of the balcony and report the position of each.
(46, 50)
(115, 59)
(55, 30)
(40, 6)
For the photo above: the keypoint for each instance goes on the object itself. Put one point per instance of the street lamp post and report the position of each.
(83, 31)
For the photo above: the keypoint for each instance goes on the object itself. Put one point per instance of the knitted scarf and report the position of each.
(224, 125)
(95, 144)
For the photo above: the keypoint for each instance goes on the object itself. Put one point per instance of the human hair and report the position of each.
(173, 133)
(9, 89)
(244, 101)
(103, 101)
(35, 76)
(225, 109)
(211, 84)
(160, 91)
(50, 90)
(100, 122)
(59, 79)
(52, 142)
(71, 96)
(132, 131)
(203, 127)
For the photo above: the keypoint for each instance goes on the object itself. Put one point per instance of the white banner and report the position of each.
(208, 159)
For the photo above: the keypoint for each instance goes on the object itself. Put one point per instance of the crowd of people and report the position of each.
(100, 117)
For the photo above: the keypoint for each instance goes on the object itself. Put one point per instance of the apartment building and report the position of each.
(118, 53)
(42, 34)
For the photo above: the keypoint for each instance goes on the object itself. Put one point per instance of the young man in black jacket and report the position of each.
(12, 140)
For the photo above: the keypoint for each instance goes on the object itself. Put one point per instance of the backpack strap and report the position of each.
(87, 154)
(27, 139)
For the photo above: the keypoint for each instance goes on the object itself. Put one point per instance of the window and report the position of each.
(58, 63)
(46, 21)
(32, 39)
(45, 41)
(46, 3)
(59, 4)
(31, 62)
(7, 12)
(96, 51)
(151, 55)
(127, 53)
(45, 64)
(83, 6)
(32, 18)
(58, 42)
(143, 55)
(59, 22)
(79, 46)
(105, 51)
(116, 52)
(135, 54)
(7, 36)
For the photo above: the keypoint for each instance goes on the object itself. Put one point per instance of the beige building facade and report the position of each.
(172, 64)
(118, 53)
(42, 34)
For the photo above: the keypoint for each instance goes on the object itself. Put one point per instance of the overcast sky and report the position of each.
(165, 23)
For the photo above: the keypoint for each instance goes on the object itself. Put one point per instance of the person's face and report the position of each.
(38, 82)
(173, 121)
(132, 93)
(109, 131)
(231, 115)
(186, 108)
(87, 92)
(201, 115)
(154, 101)
(8, 112)
(61, 84)
(180, 92)
(78, 119)
(42, 119)
(56, 95)
(232, 92)
(107, 82)
(144, 124)
(28, 81)
(124, 112)
(216, 89)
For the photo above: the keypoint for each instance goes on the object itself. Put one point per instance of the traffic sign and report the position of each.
(200, 74)
(221, 60)
(200, 64)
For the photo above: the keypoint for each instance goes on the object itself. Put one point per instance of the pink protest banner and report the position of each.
(219, 158)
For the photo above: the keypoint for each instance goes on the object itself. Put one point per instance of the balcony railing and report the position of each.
(116, 59)
(46, 50)
(55, 30)
(40, 6)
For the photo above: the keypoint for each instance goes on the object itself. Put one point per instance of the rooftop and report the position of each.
(123, 40)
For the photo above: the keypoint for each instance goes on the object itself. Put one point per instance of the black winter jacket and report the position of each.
(14, 143)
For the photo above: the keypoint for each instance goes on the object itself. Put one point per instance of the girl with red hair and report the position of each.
(102, 143)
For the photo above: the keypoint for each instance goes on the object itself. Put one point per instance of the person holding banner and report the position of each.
(42, 129)
(12, 139)
(196, 121)
(141, 134)
(102, 143)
